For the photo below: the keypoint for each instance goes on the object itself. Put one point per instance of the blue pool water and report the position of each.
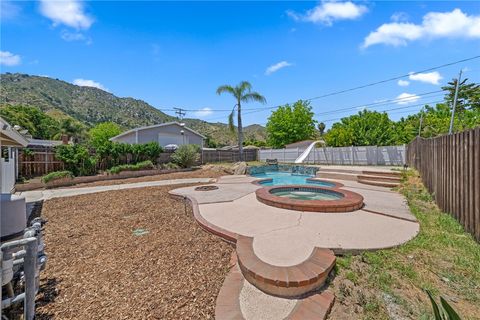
(287, 178)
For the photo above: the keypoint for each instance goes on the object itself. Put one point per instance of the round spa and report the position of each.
(310, 198)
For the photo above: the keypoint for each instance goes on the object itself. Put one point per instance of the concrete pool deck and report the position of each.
(286, 237)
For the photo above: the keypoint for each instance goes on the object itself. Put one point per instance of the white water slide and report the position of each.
(307, 151)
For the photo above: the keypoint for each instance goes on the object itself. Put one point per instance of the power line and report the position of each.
(398, 108)
(383, 102)
(346, 90)
(180, 113)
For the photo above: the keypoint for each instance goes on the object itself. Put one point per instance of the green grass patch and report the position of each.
(443, 259)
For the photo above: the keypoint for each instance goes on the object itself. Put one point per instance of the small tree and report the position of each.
(321, 128)
(290, 123)
(367, 128)
(186, 155)
(99, 135)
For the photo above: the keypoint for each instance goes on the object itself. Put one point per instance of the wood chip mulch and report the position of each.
(129, 254)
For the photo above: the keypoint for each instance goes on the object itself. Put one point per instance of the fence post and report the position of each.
(351, 148)
(284, 159)
(376, 155)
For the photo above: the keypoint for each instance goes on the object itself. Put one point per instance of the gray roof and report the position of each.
(156, 126)
(11, 137)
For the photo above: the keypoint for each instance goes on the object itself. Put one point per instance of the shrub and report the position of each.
(131, 167)
(76, 159)
(52, 176)
(186, 155)
(170, 166)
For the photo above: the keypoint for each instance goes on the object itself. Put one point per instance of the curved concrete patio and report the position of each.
(285, 237)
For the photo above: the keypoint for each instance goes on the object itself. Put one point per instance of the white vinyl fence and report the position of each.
(367, 155)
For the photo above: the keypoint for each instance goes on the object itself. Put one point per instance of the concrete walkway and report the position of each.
(37, 195)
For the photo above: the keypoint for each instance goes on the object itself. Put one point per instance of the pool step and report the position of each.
(229, 306)
(379, 178)
(396, 174)
(377, 183)
(291, 281)
(337, 175)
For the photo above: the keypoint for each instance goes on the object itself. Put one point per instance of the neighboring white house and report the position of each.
(10, 141)
(164, 133)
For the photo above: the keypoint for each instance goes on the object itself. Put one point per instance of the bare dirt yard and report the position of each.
(129, 254)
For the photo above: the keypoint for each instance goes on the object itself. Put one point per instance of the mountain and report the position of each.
(91, 106)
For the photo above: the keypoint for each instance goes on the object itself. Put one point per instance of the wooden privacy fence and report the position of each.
(228, 155)
(450, 169)
(38, 161)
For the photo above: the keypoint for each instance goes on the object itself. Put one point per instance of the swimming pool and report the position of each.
(287, 178)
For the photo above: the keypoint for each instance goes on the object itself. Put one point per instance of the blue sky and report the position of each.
(175, 54)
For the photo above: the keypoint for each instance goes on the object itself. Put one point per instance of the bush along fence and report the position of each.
(450, 169)
(36, 162)
(361, 155)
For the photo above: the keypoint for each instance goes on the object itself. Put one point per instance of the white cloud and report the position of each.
(399, 17)
(329, 11)
(89, 83)
(406, 98)
(454, 24)
(203, 112)
(75, 36)
(429, 77)
(403, 83)
(68, 12)
(277, 66)
(9, 59)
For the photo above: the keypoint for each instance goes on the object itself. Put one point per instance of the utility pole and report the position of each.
(180, 113)
(455, 102)
(421, 122)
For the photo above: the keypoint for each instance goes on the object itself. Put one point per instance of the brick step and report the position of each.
(337, 175)
(339, 170)
(315, 306)
(379, 178)
(379, 183)
(291, 281)
(383, 173)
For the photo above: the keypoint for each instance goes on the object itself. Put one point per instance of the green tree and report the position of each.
(73, 129)
(99, 134)
(290, 123)
(242, 93)
(38, 124)
(321, 128)
(367, 128)
(468, 94)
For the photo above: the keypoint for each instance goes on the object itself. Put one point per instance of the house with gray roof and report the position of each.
(164, 134)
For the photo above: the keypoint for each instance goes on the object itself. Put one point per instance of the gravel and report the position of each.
(129, 255)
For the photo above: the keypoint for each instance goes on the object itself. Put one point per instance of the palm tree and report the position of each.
(242, 93)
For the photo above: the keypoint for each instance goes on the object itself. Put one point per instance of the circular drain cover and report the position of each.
(206, 188)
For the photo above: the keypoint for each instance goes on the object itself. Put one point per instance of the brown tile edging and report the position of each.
(350, 201)
(291, 281)
(316, 306)
(210, 227)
